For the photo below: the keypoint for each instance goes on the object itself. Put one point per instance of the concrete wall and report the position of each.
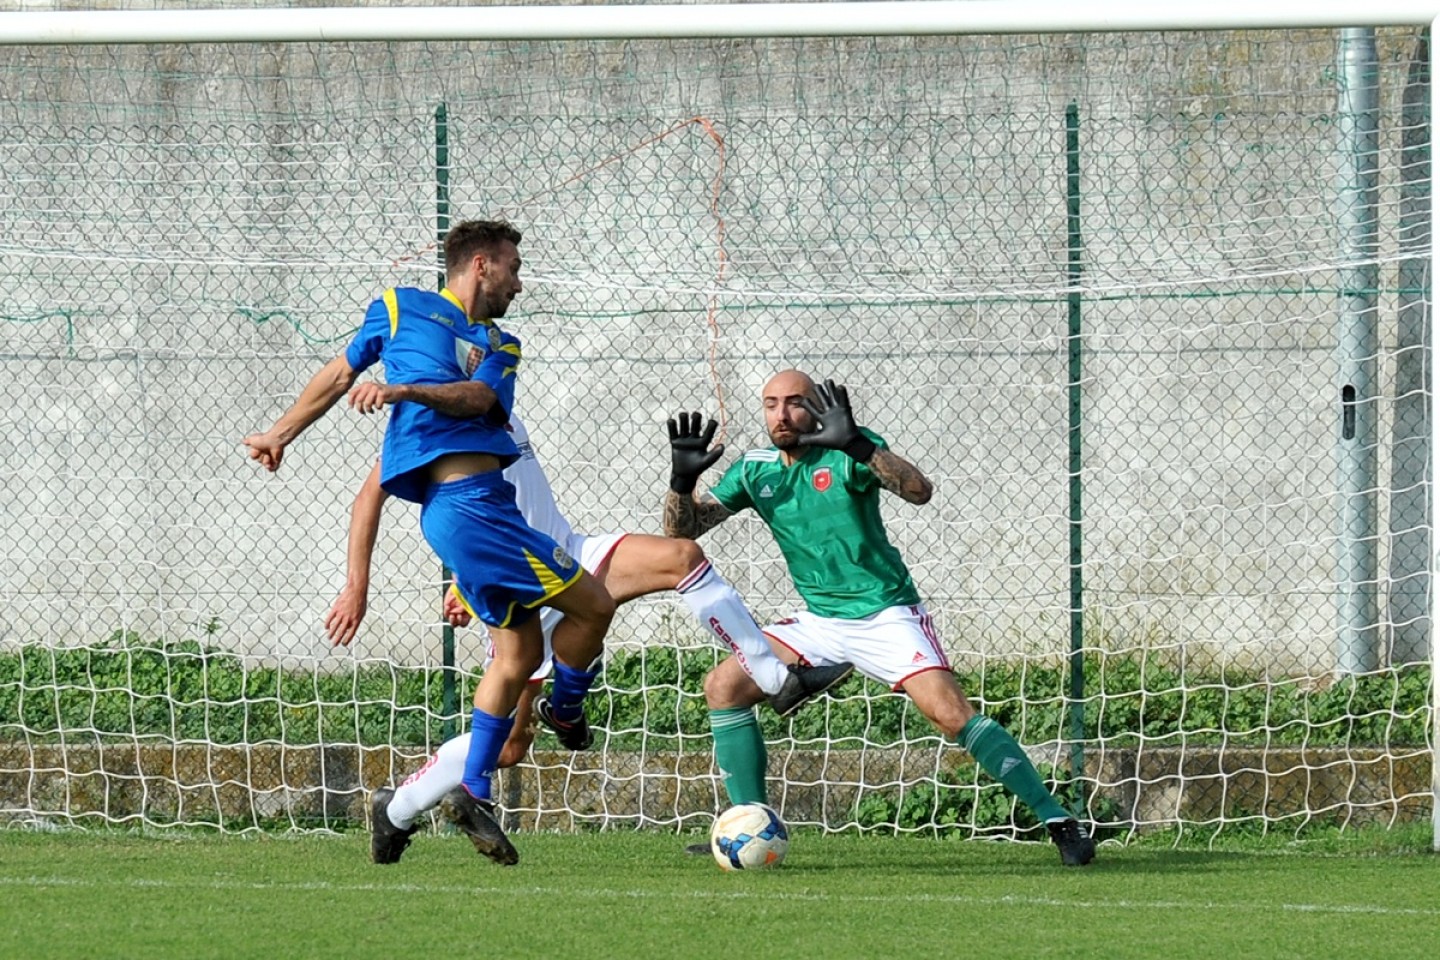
(311, 787)
(187, 233)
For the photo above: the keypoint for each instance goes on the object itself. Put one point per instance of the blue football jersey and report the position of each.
(414, 333)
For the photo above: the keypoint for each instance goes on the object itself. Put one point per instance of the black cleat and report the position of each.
(572, 736)
(476, 819)
(1076, 847)
(803, 683)
(387, 841)
(698, 850)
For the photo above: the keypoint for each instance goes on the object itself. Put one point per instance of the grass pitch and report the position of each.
(635, 895)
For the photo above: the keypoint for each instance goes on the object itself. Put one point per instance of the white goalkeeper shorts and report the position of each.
(890, 647)
(592, 552)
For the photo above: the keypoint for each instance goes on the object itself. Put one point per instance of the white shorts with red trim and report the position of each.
(592, 551)
(890, 647)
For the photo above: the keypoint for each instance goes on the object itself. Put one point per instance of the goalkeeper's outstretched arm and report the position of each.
(688, 517)
(900, 477)
(690, 456)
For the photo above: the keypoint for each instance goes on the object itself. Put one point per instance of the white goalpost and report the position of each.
(672, 21)
(1146, 291)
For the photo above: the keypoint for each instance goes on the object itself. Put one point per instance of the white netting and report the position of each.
(187, 232)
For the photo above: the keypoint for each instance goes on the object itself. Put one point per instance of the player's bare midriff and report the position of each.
(458, 466)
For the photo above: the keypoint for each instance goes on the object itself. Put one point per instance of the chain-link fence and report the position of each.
(190, 231)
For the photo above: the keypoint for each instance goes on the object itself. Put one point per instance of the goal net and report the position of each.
(1150, 308)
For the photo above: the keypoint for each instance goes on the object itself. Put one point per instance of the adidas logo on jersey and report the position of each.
(767, 491)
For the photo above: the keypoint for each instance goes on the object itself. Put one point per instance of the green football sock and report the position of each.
(1000, 756)
(740, 753)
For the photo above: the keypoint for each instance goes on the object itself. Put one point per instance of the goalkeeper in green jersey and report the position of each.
(818, 490)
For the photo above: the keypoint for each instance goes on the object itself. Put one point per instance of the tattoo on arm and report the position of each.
(687, 517)
(900, 477)
(463, 399)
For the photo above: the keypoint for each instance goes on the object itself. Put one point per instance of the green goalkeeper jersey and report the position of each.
(824, 512)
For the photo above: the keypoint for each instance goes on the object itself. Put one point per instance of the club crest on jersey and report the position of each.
(820, 479)
(562, 559)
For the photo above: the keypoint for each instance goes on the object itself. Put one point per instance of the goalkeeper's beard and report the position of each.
(786, 440)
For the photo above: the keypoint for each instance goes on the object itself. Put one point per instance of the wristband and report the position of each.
(683, 485)
(862, 448)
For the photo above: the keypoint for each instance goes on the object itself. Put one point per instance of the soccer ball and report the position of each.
(749, 836)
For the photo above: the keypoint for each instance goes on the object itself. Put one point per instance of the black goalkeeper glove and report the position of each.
(690, 453)
(835, 427)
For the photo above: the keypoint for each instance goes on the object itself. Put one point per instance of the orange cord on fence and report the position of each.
(712, 312)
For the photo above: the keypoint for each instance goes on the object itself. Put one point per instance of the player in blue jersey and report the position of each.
(445, 448)
(629, 565)
(818, 490)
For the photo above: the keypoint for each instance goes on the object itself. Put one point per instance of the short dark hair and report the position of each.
(470, 237)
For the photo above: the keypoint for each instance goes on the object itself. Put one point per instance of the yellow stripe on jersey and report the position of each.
(393, 306)
(463, 602)
(509, 611)
(509, 615)
(445, 292)
(514, 350)
(549, 581)
(449, 294)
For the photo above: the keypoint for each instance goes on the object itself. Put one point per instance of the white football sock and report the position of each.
(721, 612)
(423, 789)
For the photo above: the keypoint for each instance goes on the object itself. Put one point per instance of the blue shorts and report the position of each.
(503, 567)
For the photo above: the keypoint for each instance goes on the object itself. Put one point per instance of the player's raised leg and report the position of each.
(504, 577)
(578, 643)
(643, 564)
